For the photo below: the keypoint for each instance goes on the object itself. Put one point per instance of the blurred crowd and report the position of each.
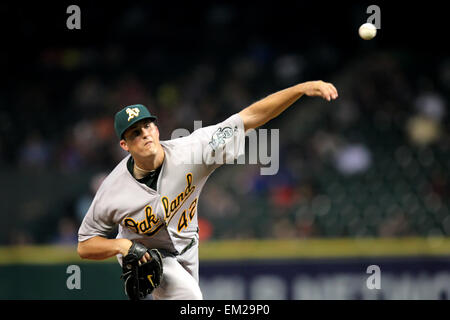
(373, 163)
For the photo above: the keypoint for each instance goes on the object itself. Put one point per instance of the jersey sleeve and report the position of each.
(96, 222)
(222, 143)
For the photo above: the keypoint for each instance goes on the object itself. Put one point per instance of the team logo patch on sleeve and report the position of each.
(218, 138)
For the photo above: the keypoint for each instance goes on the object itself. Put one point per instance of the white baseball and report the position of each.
(367, 31)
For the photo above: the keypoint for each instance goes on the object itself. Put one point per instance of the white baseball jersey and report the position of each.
(166, 218)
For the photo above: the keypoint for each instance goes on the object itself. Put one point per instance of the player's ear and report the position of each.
(124, 145)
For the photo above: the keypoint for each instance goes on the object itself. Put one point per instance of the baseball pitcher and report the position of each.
(153, 194)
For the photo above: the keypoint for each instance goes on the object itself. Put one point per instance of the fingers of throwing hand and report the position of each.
(326, 92)
(329, 91)
(334, 93)
(334, 90)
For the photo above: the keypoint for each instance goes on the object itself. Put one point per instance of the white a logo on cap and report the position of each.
(132, 113)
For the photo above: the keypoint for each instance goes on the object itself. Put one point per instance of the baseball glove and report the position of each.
(141, 280)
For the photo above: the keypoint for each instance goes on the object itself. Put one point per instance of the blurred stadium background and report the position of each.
(362, 181)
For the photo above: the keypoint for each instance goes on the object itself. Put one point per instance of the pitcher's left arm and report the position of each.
(271, 106)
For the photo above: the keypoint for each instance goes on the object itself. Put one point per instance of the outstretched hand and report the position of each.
(319, 88)
(271, 106)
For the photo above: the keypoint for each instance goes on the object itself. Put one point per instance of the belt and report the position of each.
(166, 253)
(190, 245)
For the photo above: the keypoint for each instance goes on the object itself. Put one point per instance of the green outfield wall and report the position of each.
(44, 272)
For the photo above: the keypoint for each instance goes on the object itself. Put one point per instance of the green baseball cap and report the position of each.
(128, 116)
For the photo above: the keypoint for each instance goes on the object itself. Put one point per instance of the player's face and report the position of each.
(141, 139)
